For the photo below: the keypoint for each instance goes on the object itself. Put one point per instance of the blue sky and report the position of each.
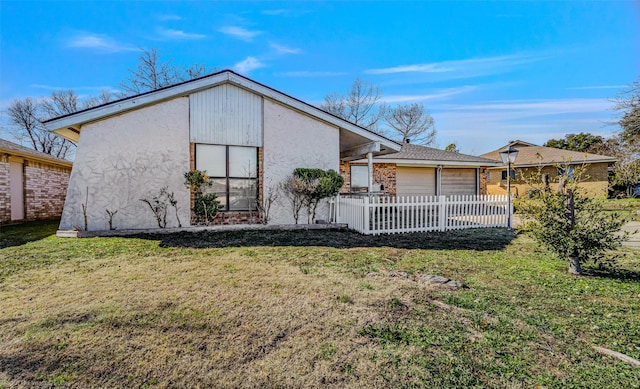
(488, 72)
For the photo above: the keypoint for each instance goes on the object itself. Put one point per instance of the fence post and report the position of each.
(366, 215)
(336, 209)
(442, 213)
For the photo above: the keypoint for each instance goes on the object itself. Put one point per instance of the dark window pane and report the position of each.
(242, 194)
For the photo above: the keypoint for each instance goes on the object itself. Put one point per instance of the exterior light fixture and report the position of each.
(508, 156)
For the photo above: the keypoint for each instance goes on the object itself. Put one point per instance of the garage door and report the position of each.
(415, 181)
(458, 182)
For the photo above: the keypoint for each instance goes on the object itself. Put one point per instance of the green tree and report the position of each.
(317, 184)
(452, 147)
(572, 226)
(583, 142)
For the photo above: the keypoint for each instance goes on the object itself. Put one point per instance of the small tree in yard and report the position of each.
(566, 222)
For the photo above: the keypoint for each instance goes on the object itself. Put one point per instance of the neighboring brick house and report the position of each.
(33, 185)
(595, 181)
(419, 171)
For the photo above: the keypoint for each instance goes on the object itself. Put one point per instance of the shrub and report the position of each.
(205, 206)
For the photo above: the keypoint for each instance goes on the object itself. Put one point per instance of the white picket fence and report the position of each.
(387, 215)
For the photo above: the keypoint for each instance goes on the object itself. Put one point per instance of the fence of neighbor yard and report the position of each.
(385, 214)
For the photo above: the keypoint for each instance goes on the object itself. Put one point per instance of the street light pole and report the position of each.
(508, 156)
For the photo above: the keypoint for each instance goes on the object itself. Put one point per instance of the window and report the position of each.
(233, 170)
(513, 174)
(359, 177)
(568, 172)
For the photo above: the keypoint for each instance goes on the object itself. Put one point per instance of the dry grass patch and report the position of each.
(211, 319)
(172, 311)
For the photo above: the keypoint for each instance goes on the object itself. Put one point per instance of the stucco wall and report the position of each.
(128, 157)
(594, 184)
(293, 140)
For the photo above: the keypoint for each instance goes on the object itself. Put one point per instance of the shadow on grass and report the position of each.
(19, 234)
(472, 239)
(613, 273)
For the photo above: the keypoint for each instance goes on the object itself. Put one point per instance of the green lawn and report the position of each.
(628, 208)
(309, 309)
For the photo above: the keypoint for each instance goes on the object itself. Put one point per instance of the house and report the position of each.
(530, 157)
(247, 136)
(33, 184)
(419, 171)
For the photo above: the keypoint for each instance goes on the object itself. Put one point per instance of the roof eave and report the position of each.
(66, 125)
(28, 156)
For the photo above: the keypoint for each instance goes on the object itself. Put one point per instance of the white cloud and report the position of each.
(168, 17)
(240, 33)
(596, 87)
(463, 68)
(275, 12)
(306, 73)
(247, 65)
(484, 126)
(281, 49)
(445, 93)
(99, 42)
(179, 34)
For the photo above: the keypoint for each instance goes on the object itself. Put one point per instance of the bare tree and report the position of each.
(26, 116)
(62, 102)
(627, 102)
(360, 105)
(194, 71)
(105, 96)
(412, 122)
(154, 73)
(151, 74)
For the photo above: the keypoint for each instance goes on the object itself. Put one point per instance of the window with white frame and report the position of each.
(233, 170)
(359, 177)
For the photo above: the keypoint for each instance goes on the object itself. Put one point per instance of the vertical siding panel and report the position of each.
(226, 115)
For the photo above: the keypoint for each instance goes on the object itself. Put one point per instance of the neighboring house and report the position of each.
(33, 185)
(531, 157)
(419, 171)
(247, 136)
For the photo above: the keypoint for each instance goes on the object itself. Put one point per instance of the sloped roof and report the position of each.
(11, 148)
(69, 126)
(532, 155)
(411, 153)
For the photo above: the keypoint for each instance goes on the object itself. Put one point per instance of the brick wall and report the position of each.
(45, 190)
(483, 182)
(5, 199)
(594, 184)
(383, 173)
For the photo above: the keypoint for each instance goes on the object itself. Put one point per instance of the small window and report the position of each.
(513, 174)
(488, 176)
(359, 177)
(233, 171)
(567, 173)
